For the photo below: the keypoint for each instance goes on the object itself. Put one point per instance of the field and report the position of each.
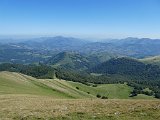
(26, 98)
(16, 83)
(30, 107)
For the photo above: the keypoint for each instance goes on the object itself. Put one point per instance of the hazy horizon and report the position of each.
(87, 38)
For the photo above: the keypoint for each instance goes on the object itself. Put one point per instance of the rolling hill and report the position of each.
(57, 43)
(132, 47)
(15, 53)
(20, 84)
(41, 49)
(69, 60)
(16, 83)
(128, 67)
(77, 61)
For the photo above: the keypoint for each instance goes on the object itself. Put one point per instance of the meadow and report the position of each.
(30, 107)
(26, 98)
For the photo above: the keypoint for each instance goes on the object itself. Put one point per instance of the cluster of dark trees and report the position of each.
(139, 87)
(137, 74)
(43, 71)
(38, 71)
(128, 67)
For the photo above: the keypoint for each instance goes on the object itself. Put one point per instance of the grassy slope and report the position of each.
(65, 87)
(142, 96)
(16, 83)
(23, 97)
(46, 108)
(152, 60)
(109, 90)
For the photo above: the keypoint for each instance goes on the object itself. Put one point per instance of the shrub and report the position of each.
(104, 97)
(94, 85)
(157, 95)
(88, 92)
(98, 96)
(77, 88)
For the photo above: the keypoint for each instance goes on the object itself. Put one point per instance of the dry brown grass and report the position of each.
(41, 107)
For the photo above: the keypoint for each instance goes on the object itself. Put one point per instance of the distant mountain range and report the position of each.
(132, 47)
(45, 48)
(132, 61)
(58, 43)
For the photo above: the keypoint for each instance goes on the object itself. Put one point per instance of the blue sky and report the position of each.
(81, 18)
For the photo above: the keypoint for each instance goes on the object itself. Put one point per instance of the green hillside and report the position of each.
(16, 83)
(77, 61)
(69, 60)
(24, 97)
(100, 57)
(142, 96)
(152, 60)
(110, 90)
(128, 67)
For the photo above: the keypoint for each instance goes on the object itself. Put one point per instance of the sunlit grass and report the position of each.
(30, 107)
